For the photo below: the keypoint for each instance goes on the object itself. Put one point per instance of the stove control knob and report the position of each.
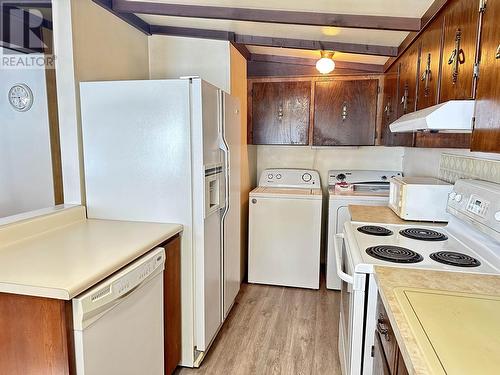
(452, 195)
(278, 176)
(341, 177)
(384, 178)
(458, 198)
(270, 176)
(497, 216)
(306, 177)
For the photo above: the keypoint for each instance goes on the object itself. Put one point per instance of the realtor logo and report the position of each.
(26, 35)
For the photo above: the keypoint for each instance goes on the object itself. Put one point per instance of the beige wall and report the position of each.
(248, 155)
(105, 49)
(174, 57)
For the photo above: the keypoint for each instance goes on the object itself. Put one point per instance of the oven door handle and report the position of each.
(337, 244)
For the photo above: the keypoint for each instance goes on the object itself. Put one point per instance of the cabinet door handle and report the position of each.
(404, 99)
(457, 56)
(427, 76)
(280, 112)
(344, 111)
(497, 55)
(388, 109)
(382, 329)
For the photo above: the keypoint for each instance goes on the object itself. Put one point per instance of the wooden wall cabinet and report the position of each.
(486, 133)
(459, 49)
(387, 358)
(430, 64)
(280, 112)
(390, 101)
(345, 112)
(408, 80)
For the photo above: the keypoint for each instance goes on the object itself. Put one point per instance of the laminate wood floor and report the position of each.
(277, 330)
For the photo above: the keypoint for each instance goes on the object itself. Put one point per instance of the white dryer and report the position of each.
(285, 229)
(369, 188)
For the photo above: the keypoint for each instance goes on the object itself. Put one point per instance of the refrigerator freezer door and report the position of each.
(232, 219)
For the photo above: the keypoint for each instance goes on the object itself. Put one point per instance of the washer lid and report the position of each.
(294, 193)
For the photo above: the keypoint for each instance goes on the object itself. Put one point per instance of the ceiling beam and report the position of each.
(242, 49)
(131, 19)
(365, 49)
(292, 60)
(269, 15)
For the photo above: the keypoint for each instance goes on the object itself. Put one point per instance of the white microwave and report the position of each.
(419, 198)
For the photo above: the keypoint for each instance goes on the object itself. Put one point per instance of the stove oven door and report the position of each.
(352, 300)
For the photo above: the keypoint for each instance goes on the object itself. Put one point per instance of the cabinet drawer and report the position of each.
(387, 338)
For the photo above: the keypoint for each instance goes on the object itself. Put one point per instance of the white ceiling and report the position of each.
(396, 8)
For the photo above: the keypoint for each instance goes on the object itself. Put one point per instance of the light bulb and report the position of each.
(325, 64)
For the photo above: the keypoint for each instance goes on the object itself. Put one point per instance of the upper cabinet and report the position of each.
(459, 49)
(486, 134)
(345, 112)
(430, 64)
(408, 83)
(390, 101)
(280, 112)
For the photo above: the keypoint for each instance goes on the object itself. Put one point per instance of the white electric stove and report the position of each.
(469, 243)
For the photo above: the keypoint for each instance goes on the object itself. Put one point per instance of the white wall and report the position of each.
(25, 159)
(90, 44)
(323, 159)
(174, 57)
(425, 161)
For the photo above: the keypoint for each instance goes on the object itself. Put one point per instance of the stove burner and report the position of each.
(423, 234)
(455, 259)
(375, 230)
(394, 254)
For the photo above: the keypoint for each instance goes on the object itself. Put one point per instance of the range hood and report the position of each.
(451, 116)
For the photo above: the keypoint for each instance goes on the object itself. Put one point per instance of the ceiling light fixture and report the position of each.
(325, 64)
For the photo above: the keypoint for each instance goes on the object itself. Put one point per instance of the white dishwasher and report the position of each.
(118, 324)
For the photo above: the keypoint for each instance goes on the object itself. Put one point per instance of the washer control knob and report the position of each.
(306, 177)
(384, 178)
(270, 176)
(458, 198)
(278, 176)
(341, 177)
(453, 195)
(497, 216)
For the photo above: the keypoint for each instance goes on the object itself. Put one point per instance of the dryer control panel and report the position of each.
(290, 178)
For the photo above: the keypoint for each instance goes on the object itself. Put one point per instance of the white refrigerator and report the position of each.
(169, 151)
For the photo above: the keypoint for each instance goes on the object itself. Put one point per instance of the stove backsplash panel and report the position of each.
(454, 167)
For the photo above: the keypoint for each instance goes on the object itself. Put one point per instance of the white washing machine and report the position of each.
(285, 229)
(370, 188)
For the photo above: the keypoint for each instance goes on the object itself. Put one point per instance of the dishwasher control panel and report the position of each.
(118, 285)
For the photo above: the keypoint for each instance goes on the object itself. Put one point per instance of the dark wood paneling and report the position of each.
(276, 69)
(408, 80)
(280, 112)
(380, 365)
(52, 109)
(365, 49)
(172, 302)
(390, 111)
(461, 22)
(401, 366)
(367, 68)
(387, 337)
(345, 112)
(486, 134)
(269, 15)
(430, 64)
(35, 336)
(442, 140)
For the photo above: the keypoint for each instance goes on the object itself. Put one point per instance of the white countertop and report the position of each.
(63, 261)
